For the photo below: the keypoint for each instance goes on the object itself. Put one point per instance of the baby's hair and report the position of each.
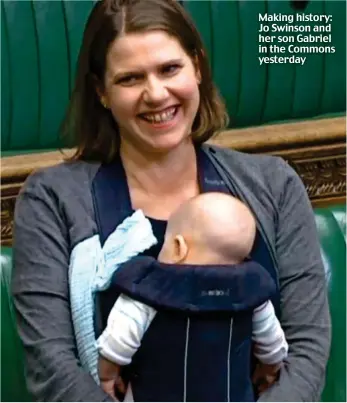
(218, 222)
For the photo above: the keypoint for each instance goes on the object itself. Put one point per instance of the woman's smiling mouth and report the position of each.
(159, 118)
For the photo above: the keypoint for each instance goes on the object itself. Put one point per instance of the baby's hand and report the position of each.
(110, 378)
(112, 386)
(265, 375)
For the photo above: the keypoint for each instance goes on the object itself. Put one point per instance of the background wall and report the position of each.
(39, 48)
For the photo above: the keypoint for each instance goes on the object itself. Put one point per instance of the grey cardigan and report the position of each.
(54, 212)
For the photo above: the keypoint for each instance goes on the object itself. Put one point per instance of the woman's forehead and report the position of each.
(143, 50)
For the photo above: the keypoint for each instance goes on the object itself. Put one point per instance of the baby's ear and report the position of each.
(181, 249)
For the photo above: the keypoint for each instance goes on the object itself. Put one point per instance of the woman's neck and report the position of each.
(160, 173)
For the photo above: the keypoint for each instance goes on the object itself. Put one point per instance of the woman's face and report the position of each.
(152, 89)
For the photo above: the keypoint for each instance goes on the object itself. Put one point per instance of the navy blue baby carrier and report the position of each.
(198, 347)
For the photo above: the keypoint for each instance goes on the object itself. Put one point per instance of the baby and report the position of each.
(210, 229)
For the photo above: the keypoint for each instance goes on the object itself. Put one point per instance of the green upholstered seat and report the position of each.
(13, 388)
(331, 223)
(332, 232)
(38, 67)
(257, 94)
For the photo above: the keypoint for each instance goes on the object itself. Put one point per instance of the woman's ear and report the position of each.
(181, 249)
(198, 76)
(100, 93)
(197, 68)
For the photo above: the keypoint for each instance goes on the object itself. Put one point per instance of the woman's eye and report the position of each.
(171, 69)
(128, 80)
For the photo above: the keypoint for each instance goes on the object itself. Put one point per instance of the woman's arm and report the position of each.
(305, 312)
(41, 299)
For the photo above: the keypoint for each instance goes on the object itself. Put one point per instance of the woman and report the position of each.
(142, 107)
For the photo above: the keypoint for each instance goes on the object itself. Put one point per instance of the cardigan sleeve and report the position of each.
(41, 298)
(305, 316)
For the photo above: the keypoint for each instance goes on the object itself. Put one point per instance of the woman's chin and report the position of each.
(165, 145)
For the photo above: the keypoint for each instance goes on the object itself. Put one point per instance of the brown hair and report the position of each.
(91, 127)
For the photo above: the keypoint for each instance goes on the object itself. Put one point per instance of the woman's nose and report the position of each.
(155, 92)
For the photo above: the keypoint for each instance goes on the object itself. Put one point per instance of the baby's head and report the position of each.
(211, 228)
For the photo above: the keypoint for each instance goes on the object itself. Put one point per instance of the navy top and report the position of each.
(113, 204)
(158, 228)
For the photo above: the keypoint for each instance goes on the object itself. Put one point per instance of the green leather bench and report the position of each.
(257, 94)
(331, 223)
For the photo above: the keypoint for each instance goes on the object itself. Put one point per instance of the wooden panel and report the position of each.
(316, 149)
